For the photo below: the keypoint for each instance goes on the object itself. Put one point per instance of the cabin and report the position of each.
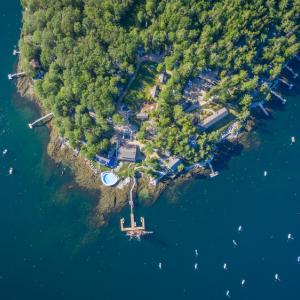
(163, 77)
(213, 119)
(142, 116)
(154, 91)
(172, 164)
(127, 153)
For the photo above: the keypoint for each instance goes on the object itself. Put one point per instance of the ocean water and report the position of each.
(48, 250)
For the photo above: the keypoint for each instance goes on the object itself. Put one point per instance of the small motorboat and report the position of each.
(10, 171)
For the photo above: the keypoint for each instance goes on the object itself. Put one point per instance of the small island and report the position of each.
(148, 88)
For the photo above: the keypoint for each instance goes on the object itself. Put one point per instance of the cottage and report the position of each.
(154, 91)
(104, 161)
(101, 160)
(172, 164)
(217, 116)
(127, 153)
(142, 116)
(163, 77)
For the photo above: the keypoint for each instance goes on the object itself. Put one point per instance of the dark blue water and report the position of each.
(49, 251)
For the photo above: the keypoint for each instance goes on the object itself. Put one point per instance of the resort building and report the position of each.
(163, 77)
(142, 116)
(154, 91)
(104, 161)
(127, 153)
(214, 118)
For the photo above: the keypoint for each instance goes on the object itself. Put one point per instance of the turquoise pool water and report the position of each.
(109, 178)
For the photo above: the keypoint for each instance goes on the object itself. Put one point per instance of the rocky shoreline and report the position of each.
(111, 199)
(87, 175)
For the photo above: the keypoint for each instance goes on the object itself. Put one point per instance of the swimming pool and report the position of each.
(109, 178)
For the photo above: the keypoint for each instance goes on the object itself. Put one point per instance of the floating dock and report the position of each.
(16, 52)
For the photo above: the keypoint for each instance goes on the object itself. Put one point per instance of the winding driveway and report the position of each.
(140, 60)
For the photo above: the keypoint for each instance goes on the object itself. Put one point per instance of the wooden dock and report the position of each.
(43, 119)
(133, 231)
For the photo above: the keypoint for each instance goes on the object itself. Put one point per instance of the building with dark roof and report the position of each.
(127, 153)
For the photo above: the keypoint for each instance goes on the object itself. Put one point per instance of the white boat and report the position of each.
(10, 171)
(4, 151)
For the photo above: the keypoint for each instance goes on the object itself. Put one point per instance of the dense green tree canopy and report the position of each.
(88, 50)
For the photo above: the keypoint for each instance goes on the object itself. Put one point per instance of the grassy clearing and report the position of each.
(140, 88)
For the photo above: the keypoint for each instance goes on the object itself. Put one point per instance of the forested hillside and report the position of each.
(88, 50)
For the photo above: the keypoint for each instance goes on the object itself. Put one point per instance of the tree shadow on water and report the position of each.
(226, 151)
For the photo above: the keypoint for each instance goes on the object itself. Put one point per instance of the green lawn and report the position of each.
(140, 88)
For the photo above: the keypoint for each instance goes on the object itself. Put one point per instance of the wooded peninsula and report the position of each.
(157, 84)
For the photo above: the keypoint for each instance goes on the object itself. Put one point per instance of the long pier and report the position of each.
(133, 231)
(285, 81)
(261, 105)
(16, 75)
(213, 173)
(42, 119)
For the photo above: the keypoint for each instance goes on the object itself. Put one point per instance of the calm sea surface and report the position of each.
(48, 250)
